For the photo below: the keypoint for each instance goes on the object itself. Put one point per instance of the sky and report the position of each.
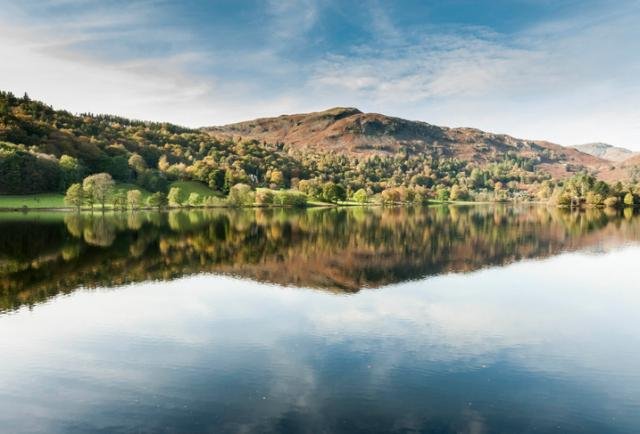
(567, 71)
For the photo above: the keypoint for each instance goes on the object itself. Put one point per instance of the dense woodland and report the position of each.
(47, 150)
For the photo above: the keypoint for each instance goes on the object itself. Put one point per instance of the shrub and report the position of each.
(265, 197)
(291, 198)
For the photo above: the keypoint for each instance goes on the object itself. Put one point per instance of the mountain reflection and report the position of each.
(341, 250)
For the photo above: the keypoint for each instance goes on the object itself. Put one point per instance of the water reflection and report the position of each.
(341, 250)
(523, 348)
(536, 346)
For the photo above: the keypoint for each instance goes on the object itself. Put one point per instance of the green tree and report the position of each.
(194, 199)
(98, 187)
(442, 193)
(332, 192)
(157, 199)
(74, 195)
(361, 196)
(72, 170)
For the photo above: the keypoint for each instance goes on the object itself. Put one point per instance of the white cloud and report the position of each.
(570, 81)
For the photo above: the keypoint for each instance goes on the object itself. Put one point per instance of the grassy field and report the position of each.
(45, 200)
(56, 200)
(189, 187)
(122, 187)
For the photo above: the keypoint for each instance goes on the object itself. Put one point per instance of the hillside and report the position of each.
(605, 151)
(349, 131)
(329, 156)
(632, 161)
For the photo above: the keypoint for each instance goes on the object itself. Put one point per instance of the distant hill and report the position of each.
(351, 132)
(605, 151)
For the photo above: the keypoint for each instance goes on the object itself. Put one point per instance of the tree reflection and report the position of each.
(341, 250)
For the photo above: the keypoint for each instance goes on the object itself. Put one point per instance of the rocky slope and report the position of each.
(606, 151)
(352, 132)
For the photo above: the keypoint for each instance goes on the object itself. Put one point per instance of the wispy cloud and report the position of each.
(570, 73)
(291, 19)
(569, 77)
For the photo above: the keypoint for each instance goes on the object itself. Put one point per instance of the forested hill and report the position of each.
(46, 150)
(351, 132)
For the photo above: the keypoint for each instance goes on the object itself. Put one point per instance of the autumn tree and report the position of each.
(134, 198)
(240, 195)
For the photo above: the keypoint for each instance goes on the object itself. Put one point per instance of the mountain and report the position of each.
(632, 161)
(350, 132)
(605, 151)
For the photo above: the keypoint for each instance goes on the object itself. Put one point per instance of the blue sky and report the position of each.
(566, 71)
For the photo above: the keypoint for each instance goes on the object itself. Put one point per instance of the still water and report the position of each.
(434, 320)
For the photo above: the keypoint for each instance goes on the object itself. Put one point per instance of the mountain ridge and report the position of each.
(349, 131)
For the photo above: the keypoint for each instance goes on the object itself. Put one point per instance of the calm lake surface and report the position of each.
(431, 320)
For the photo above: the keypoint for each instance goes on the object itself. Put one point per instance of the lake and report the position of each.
(478, 319)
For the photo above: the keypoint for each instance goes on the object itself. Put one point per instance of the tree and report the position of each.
(119, 200)
(117, 167)
(594, 199)
(332, 192)
(310, 188)
(134, 198)
(611, 202)
(277, 178)
(194, 199)
(176, 196)
(98, 187)
(360, 196)
(629, 200)
(72, 170)
(137, 163)
(74, 195)
(442, 193)
(240, 195)
(455, 192)
(391, 195)
(157, 199)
